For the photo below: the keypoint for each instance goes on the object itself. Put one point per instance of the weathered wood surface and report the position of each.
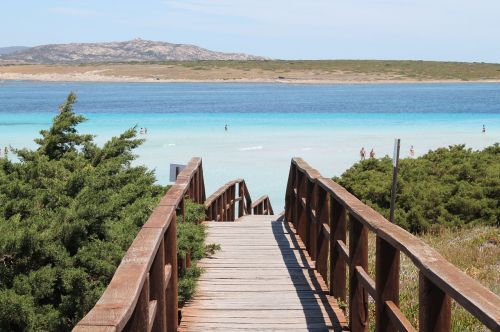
(307, 197)
(260, 280)
(142, 295)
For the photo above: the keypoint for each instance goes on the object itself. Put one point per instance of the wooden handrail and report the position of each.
(262, 206)
(142, 295)
(221, 205)
(318, 208)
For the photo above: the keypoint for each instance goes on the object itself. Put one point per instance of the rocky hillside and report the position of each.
(133, 50)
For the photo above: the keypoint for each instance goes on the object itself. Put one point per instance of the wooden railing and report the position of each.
(320, 209)
(142, 295)
(262, 206)
(231, 197)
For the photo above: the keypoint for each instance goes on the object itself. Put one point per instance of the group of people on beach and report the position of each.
(362, 153)
(143, 131)
(5, 152)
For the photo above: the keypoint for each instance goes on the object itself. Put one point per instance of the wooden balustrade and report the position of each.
(222, 205)
(262, 206)
(319, 209)
(142, 295)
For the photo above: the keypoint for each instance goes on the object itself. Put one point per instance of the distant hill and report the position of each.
(132, 50)
(12, 49)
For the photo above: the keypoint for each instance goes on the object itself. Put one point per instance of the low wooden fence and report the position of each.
(262, 206)
(231, 197)
(319, 209)
(142, 296)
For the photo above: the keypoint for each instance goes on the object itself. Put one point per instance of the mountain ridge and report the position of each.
(139, 50)
(12, 49)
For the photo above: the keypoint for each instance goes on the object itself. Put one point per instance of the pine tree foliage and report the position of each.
(68, 212)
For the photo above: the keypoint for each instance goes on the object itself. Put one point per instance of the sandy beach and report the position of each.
(178, 72)
(94, 77)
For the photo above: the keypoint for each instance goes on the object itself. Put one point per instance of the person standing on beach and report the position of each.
(362, 153)
(372, 154)
(412, 152)
(484, 129)
(225, 127)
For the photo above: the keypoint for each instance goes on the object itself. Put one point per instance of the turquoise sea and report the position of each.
(268, 123)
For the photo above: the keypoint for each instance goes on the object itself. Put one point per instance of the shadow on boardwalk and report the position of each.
(315, 302)
(260, 280)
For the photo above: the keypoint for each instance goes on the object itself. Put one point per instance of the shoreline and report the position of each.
(92, 78)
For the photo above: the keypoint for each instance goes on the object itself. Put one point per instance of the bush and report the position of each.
(68, 212)
(449, 187)
(191, 235)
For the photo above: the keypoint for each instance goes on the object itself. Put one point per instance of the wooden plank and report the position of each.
(260, 280)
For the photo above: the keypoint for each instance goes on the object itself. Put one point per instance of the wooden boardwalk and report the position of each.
(260, 280)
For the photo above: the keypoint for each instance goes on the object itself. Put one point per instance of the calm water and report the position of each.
(268, 123)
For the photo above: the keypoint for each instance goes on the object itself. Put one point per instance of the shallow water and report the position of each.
(268, 123)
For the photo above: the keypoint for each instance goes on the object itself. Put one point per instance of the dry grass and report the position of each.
(476, 251)
(292, 71)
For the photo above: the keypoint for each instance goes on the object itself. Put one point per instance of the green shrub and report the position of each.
(68, 212)
(191, 236)
(449, 187)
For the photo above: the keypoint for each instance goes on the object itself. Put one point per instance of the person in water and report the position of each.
(484, 129)
(362, 153)
(372, 154)
(225, 128)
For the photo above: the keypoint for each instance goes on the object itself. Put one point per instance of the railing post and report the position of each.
(434, 306)
(241, 204)
(297, 205)
(248, 202)
(309, 234)
(223, 207)
(182, 206)
(202, 185)
(220, 203)
(199, 200)
(194, 180)
(322, 242)
(289, 195)
(358, 254)
(157, 289)
(233, 202)
(337, 263)
(387, 283)
(302, 210)
(171, 258)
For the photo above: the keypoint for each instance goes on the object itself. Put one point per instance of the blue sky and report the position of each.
(455, 30)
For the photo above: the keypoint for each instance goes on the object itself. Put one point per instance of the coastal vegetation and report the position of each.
(449, 198)
(261, 70)
(453, 187)
(68, 212)
(191, 236)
